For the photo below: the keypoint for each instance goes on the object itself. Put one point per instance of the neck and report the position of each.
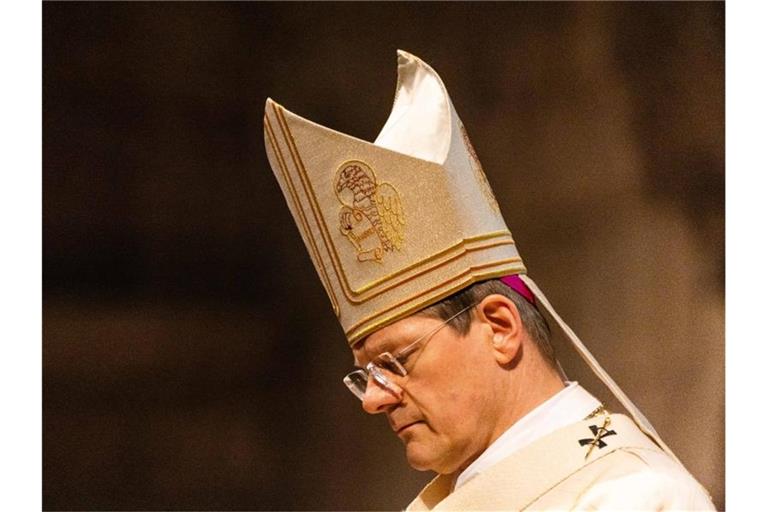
(526, 389)
(521, 391)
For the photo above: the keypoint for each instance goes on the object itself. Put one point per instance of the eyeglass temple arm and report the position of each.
(413, 346)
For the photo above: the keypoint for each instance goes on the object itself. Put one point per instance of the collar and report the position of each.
(569, 405)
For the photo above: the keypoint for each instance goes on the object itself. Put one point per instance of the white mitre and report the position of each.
(396, 225)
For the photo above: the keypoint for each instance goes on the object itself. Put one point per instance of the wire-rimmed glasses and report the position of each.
(387, 364)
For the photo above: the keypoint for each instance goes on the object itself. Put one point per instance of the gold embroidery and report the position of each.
(372, 216)
(482, 180)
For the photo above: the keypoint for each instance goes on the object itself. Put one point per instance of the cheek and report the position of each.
(453, 391)
(453, 405)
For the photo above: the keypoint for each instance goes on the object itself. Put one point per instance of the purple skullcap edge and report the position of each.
(517, 284)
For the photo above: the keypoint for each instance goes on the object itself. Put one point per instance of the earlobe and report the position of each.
(506, 348)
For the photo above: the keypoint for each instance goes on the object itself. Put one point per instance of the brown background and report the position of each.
(191, 359)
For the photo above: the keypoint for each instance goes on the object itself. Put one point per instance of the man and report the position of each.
(445, 326)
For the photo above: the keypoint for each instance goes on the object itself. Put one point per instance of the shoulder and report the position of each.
(634, 475)
(640, 479)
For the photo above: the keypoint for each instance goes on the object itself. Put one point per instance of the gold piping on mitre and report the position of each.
(398, 224)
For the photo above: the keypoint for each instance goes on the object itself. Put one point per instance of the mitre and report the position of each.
(395, 225)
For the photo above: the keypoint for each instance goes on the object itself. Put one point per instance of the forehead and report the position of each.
(391, 338)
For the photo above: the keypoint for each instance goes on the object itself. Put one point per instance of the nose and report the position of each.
(378, 398)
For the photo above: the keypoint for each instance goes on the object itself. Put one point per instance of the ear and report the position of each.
(501, 320)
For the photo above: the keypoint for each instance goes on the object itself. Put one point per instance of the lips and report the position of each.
(399, 430)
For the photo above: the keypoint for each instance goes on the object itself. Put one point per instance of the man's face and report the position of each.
(448, 411)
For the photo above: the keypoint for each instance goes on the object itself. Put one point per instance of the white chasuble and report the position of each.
(602, 463)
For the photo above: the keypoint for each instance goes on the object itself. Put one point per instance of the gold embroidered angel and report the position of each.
(372, 215)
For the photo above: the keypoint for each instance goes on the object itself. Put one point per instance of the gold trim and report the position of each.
(319, 219)
(600, 410)
(302, 218)
(457, 245)
(348, 291)
(462, 250)
(353, 337)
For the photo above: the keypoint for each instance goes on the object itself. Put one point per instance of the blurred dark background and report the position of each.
(191, 359)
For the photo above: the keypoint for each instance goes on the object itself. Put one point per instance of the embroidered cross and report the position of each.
(599, 433)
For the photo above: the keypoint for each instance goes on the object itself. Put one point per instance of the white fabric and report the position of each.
(650, 489)
(419, 124)
(552, 473)
(571, 404)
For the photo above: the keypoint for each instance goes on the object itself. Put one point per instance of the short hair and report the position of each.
(533, 321)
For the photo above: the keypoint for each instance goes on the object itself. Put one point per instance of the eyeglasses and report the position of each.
(391, 364)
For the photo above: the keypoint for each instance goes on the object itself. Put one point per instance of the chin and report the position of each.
(418, 464)
(423, 458)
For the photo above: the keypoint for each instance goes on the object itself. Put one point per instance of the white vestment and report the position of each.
(550, 460)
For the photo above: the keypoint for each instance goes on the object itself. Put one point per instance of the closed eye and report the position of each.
(403, 358)
(407, 352)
